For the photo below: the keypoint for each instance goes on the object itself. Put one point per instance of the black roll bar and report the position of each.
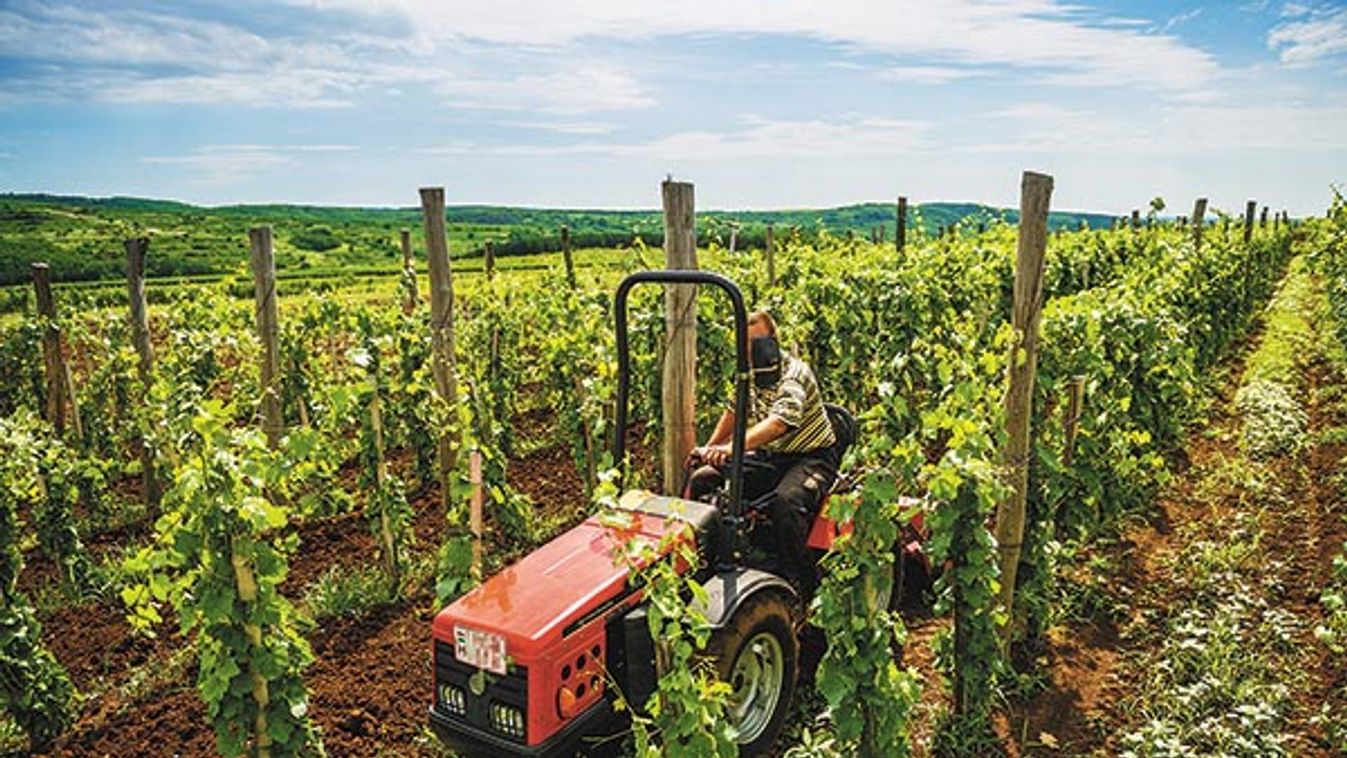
(726, 544)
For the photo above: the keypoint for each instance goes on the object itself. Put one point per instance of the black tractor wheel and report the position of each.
(758, 656)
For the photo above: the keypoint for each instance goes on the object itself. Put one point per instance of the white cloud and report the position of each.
(533, 55)
(129, 37)
(1181, 18)
(759, 138)
(130, 56)
(227, 164)
(284, 89)
(223, 167)
(926, 74)
(1171, 130)
(1321, 35)
(581, 128)
(1025, 33)
(246, 148)
(578, 90)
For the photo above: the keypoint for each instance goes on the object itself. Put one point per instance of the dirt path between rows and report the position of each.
(1096, 668)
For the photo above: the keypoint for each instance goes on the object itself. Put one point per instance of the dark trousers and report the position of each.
(797, 483)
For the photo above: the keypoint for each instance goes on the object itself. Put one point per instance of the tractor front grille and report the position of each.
(494, 703)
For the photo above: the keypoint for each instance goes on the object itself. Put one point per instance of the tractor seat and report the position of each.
(844, 428)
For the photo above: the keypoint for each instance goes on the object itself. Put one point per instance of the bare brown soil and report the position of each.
(370, 683)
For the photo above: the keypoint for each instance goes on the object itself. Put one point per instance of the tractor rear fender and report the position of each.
(726, 591)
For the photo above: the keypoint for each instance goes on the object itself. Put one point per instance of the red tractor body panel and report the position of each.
(551, 608)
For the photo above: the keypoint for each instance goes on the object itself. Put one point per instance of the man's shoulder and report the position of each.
(796, 368)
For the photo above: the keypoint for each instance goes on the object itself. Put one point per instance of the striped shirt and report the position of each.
(795, 400)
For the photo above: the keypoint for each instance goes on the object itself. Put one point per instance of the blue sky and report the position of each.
(761, 103)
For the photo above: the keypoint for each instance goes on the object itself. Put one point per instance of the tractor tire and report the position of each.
(757, 654)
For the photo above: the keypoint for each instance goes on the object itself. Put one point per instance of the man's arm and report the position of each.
(717, 451)
(764, 432)
(724, 428)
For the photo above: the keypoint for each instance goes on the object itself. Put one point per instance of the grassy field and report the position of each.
(82, 238)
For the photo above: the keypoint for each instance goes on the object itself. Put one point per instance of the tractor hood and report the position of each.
(575, 577)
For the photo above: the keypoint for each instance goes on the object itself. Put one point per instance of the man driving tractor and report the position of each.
(792, 444)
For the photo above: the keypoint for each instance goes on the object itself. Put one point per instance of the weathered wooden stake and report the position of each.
(734, 236)
(679, 394)
(1262, 217)
(769, 249)
(441, 327)
(268, 331)
(136, 250)
(1136, 219)
(566, 255)
(475, 511)
(1199, 220)
(1035, 200)
(1250, 208)
(245, 583)
(53, 362)
(410, 295)
(376, 420)
(76, 424)
(900, 231)
(489, 259)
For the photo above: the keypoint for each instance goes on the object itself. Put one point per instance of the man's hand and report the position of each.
(712, 455)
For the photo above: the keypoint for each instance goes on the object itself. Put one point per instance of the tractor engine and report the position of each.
(524, 662)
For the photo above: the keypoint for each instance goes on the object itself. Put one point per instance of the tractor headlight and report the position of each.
(508, 720)
(453, 700)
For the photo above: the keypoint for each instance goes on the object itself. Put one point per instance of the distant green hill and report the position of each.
(81, 237)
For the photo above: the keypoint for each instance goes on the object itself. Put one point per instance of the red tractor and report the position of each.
(525, 663)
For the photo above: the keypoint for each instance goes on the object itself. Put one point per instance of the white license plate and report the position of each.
(481, 649)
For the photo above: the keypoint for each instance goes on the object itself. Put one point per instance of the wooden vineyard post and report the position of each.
(376, 422)
(1250, 208)
(76, 425)
(136, 250)
(475, 511)
(1199, 213)
(268, 332)
(410, 296)
(1035, 199)
(52, 361)
(245, 582)
(1136, 219)
(900, 231)
(769, 250)
(679, 393)
(734, 236)
(441, 326)
(1262, 218)
(263, 263)
(566, 255)
(489, 259)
